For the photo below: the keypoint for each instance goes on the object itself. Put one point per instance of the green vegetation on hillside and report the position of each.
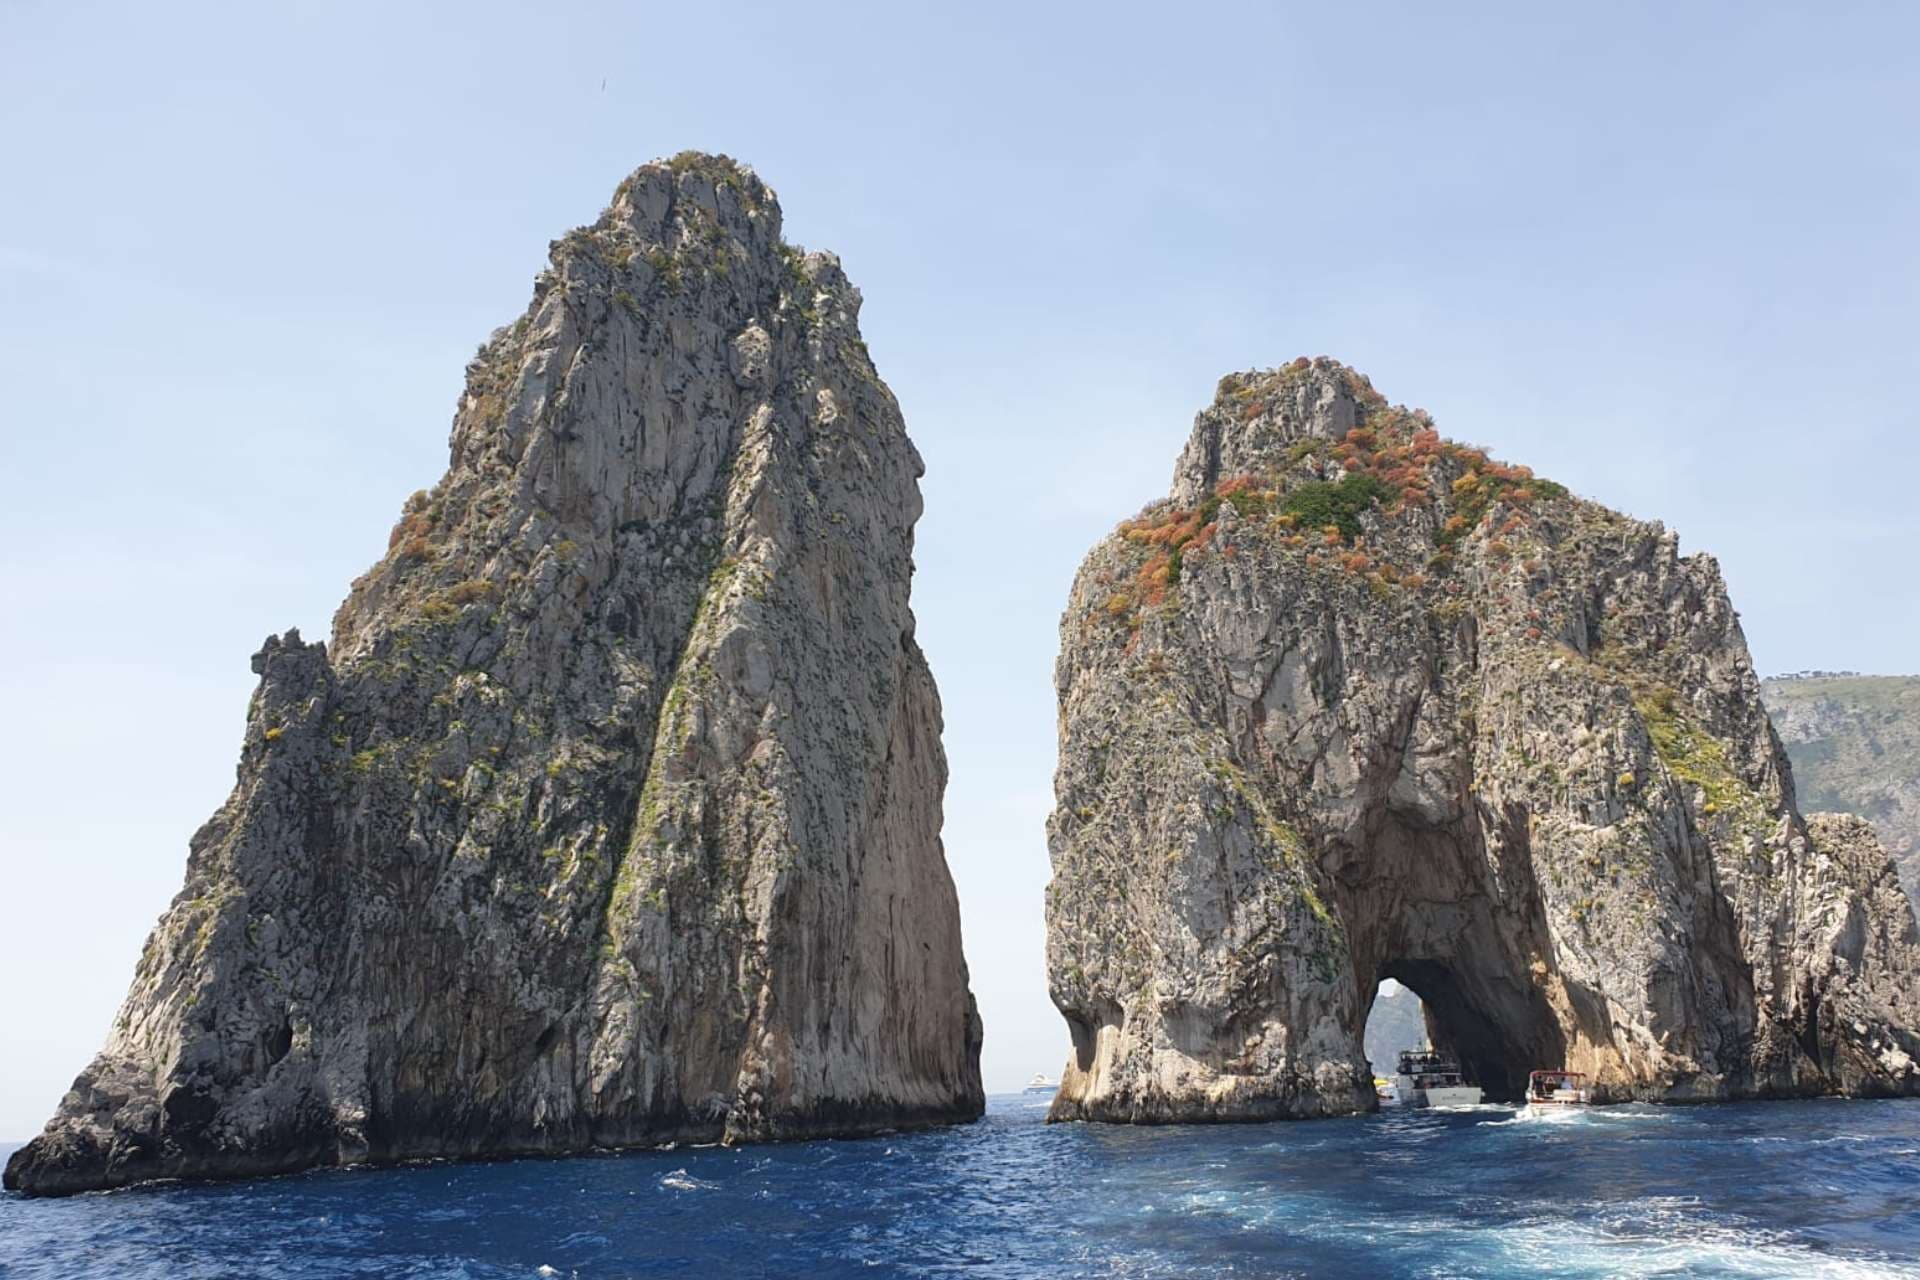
(1855, 746)
(1322, 504)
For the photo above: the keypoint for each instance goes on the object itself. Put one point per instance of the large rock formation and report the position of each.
(1855, 746)
(611, 813)
(1355, 702)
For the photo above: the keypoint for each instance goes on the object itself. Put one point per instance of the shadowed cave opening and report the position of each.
(1420, 1002)
(1421, 915)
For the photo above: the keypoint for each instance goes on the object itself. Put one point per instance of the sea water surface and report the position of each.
(1799, 1189)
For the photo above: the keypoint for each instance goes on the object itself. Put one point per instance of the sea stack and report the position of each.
(611, 813)
(1355, 702)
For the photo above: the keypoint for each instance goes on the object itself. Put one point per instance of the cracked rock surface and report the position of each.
(1356, 702)
(610, 815)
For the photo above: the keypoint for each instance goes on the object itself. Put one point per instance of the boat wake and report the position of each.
(1650, 1239)
(1628, 1113)
(1763, 1191)
(1542, 1115)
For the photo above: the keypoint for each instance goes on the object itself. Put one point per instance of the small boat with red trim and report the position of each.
(1558, 1089)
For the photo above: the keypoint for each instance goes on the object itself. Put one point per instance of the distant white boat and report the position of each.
(1041, 1084)
(1429, 1079)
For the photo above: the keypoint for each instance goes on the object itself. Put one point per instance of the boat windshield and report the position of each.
(1544, 1084)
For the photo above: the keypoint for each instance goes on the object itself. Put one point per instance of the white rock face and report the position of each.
(1357, 703)
(611, 814)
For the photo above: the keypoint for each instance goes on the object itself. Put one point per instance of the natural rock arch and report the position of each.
(1484, 1000)
(1356, 702)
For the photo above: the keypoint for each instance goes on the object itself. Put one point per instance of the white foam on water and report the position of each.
(1630, 1113)
(1845, 1139)
(1207, 1202)
(1541, 1115)
(681, 1180)
(1675, 1241)
(1663, 1237)
(1651, 1238)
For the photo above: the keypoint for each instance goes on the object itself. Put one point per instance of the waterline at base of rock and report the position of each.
(1740, 1191)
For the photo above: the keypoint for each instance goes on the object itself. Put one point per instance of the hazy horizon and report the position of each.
(1666, 258)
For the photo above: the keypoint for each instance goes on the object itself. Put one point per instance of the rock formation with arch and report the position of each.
(1356, 702)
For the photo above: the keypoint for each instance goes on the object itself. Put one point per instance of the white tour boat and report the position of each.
(1429, 1079)
(1040, 1084)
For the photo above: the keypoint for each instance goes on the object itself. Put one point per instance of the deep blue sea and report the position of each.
(1803, 1190)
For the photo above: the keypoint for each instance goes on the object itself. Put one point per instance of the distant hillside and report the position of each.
(1855, 745)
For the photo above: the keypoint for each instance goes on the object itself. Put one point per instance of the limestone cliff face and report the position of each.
(1356, 702)
(611, 814)
(1855, 745)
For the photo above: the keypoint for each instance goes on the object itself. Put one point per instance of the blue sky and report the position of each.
(1664, 254)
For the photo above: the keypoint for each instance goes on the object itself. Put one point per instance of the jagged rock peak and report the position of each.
(1256, 414)
(611, 814)
(1357, 702)
(684, 274)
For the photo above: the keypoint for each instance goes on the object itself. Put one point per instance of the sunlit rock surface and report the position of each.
(611, 814)
(1356, 702)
